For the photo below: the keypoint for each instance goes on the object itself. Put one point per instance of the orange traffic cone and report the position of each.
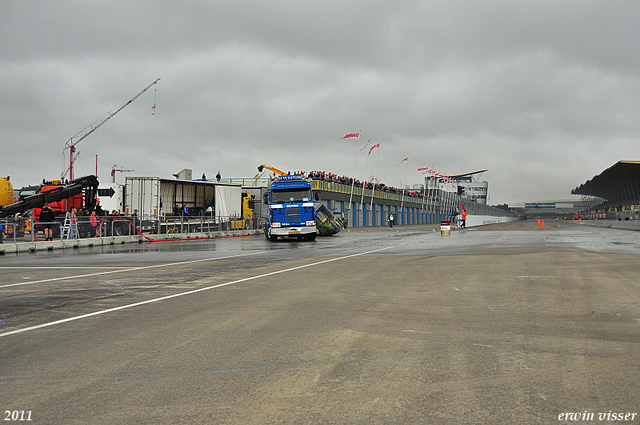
(542, 225)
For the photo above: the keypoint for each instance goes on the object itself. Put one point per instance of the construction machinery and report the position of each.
(291, 210)
(6, 192)
(275, 171)
(119, 168)
(247, 213)
(78, 193)
(285, 214)
(7, 197)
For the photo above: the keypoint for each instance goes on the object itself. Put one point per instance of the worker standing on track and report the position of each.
(47, 217)
(94, 223)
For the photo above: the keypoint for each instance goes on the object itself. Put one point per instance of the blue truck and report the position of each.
(292, 213)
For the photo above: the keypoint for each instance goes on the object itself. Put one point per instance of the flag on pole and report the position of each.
(406, 159)
(365, 146)
(153, 109)
(377, 145)
(351, 135)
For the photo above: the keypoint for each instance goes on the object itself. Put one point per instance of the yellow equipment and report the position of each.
(6, 192)
(274, 170)
(7, 195)
(247, 208)
(247, 213)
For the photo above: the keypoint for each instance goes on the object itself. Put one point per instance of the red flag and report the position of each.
(365, 146)
(377, 145)
(153, 109)
(406, 159)
(351, 135)
(423, 168)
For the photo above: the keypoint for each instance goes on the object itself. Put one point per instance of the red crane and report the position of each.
(79, 137)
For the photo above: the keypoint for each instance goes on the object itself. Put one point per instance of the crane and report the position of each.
(268, 167)
(89, 184)
(82, 134)
(118, 168)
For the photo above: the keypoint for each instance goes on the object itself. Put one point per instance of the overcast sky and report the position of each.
(542, 94)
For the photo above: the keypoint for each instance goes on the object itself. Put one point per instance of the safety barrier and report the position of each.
(116, 226)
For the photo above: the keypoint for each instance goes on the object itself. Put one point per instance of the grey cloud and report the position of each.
(534, 91)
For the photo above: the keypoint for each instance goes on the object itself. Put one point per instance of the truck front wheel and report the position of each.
(269, 236)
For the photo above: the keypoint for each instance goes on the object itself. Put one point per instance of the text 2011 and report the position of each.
(17, 415)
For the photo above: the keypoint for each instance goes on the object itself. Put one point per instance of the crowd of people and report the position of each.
(335, 178)
(332, 177)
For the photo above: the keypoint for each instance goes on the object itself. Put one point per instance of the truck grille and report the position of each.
(293, 215)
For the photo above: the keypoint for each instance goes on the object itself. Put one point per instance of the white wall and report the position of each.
(479, 220)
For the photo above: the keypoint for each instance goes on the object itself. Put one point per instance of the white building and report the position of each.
(471, 187)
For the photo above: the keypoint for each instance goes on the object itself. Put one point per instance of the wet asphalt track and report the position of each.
(504, 324)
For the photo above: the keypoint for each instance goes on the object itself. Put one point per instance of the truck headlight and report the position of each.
(311, 223)
(275, 224)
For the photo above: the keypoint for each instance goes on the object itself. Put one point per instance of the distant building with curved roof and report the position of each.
(472, 188)
(618, 188)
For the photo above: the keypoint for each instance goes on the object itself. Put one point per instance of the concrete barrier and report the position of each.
(612, 224)
(480, 220)
(9, 248)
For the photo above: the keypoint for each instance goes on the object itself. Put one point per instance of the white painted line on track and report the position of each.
(58, 267)
(53, 279)
(246, 279)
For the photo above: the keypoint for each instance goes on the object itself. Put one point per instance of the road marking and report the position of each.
(128, 270)
(550, 277)
(57, 267)
(246, 279)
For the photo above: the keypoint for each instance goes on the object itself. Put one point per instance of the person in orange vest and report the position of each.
(464, 219)
(94, 223)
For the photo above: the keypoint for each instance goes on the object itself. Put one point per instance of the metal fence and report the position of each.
(18, 229)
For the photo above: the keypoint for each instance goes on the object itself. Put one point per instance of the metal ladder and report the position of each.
(66, 227)
(70, 226)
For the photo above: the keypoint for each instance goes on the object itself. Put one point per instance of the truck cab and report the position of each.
(291, 209)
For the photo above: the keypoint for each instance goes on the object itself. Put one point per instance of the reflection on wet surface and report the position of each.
(503, 239)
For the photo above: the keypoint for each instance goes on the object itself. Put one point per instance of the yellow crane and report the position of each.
(274, 170)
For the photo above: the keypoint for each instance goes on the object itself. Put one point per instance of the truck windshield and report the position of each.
(282, 196)
(24, 193)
